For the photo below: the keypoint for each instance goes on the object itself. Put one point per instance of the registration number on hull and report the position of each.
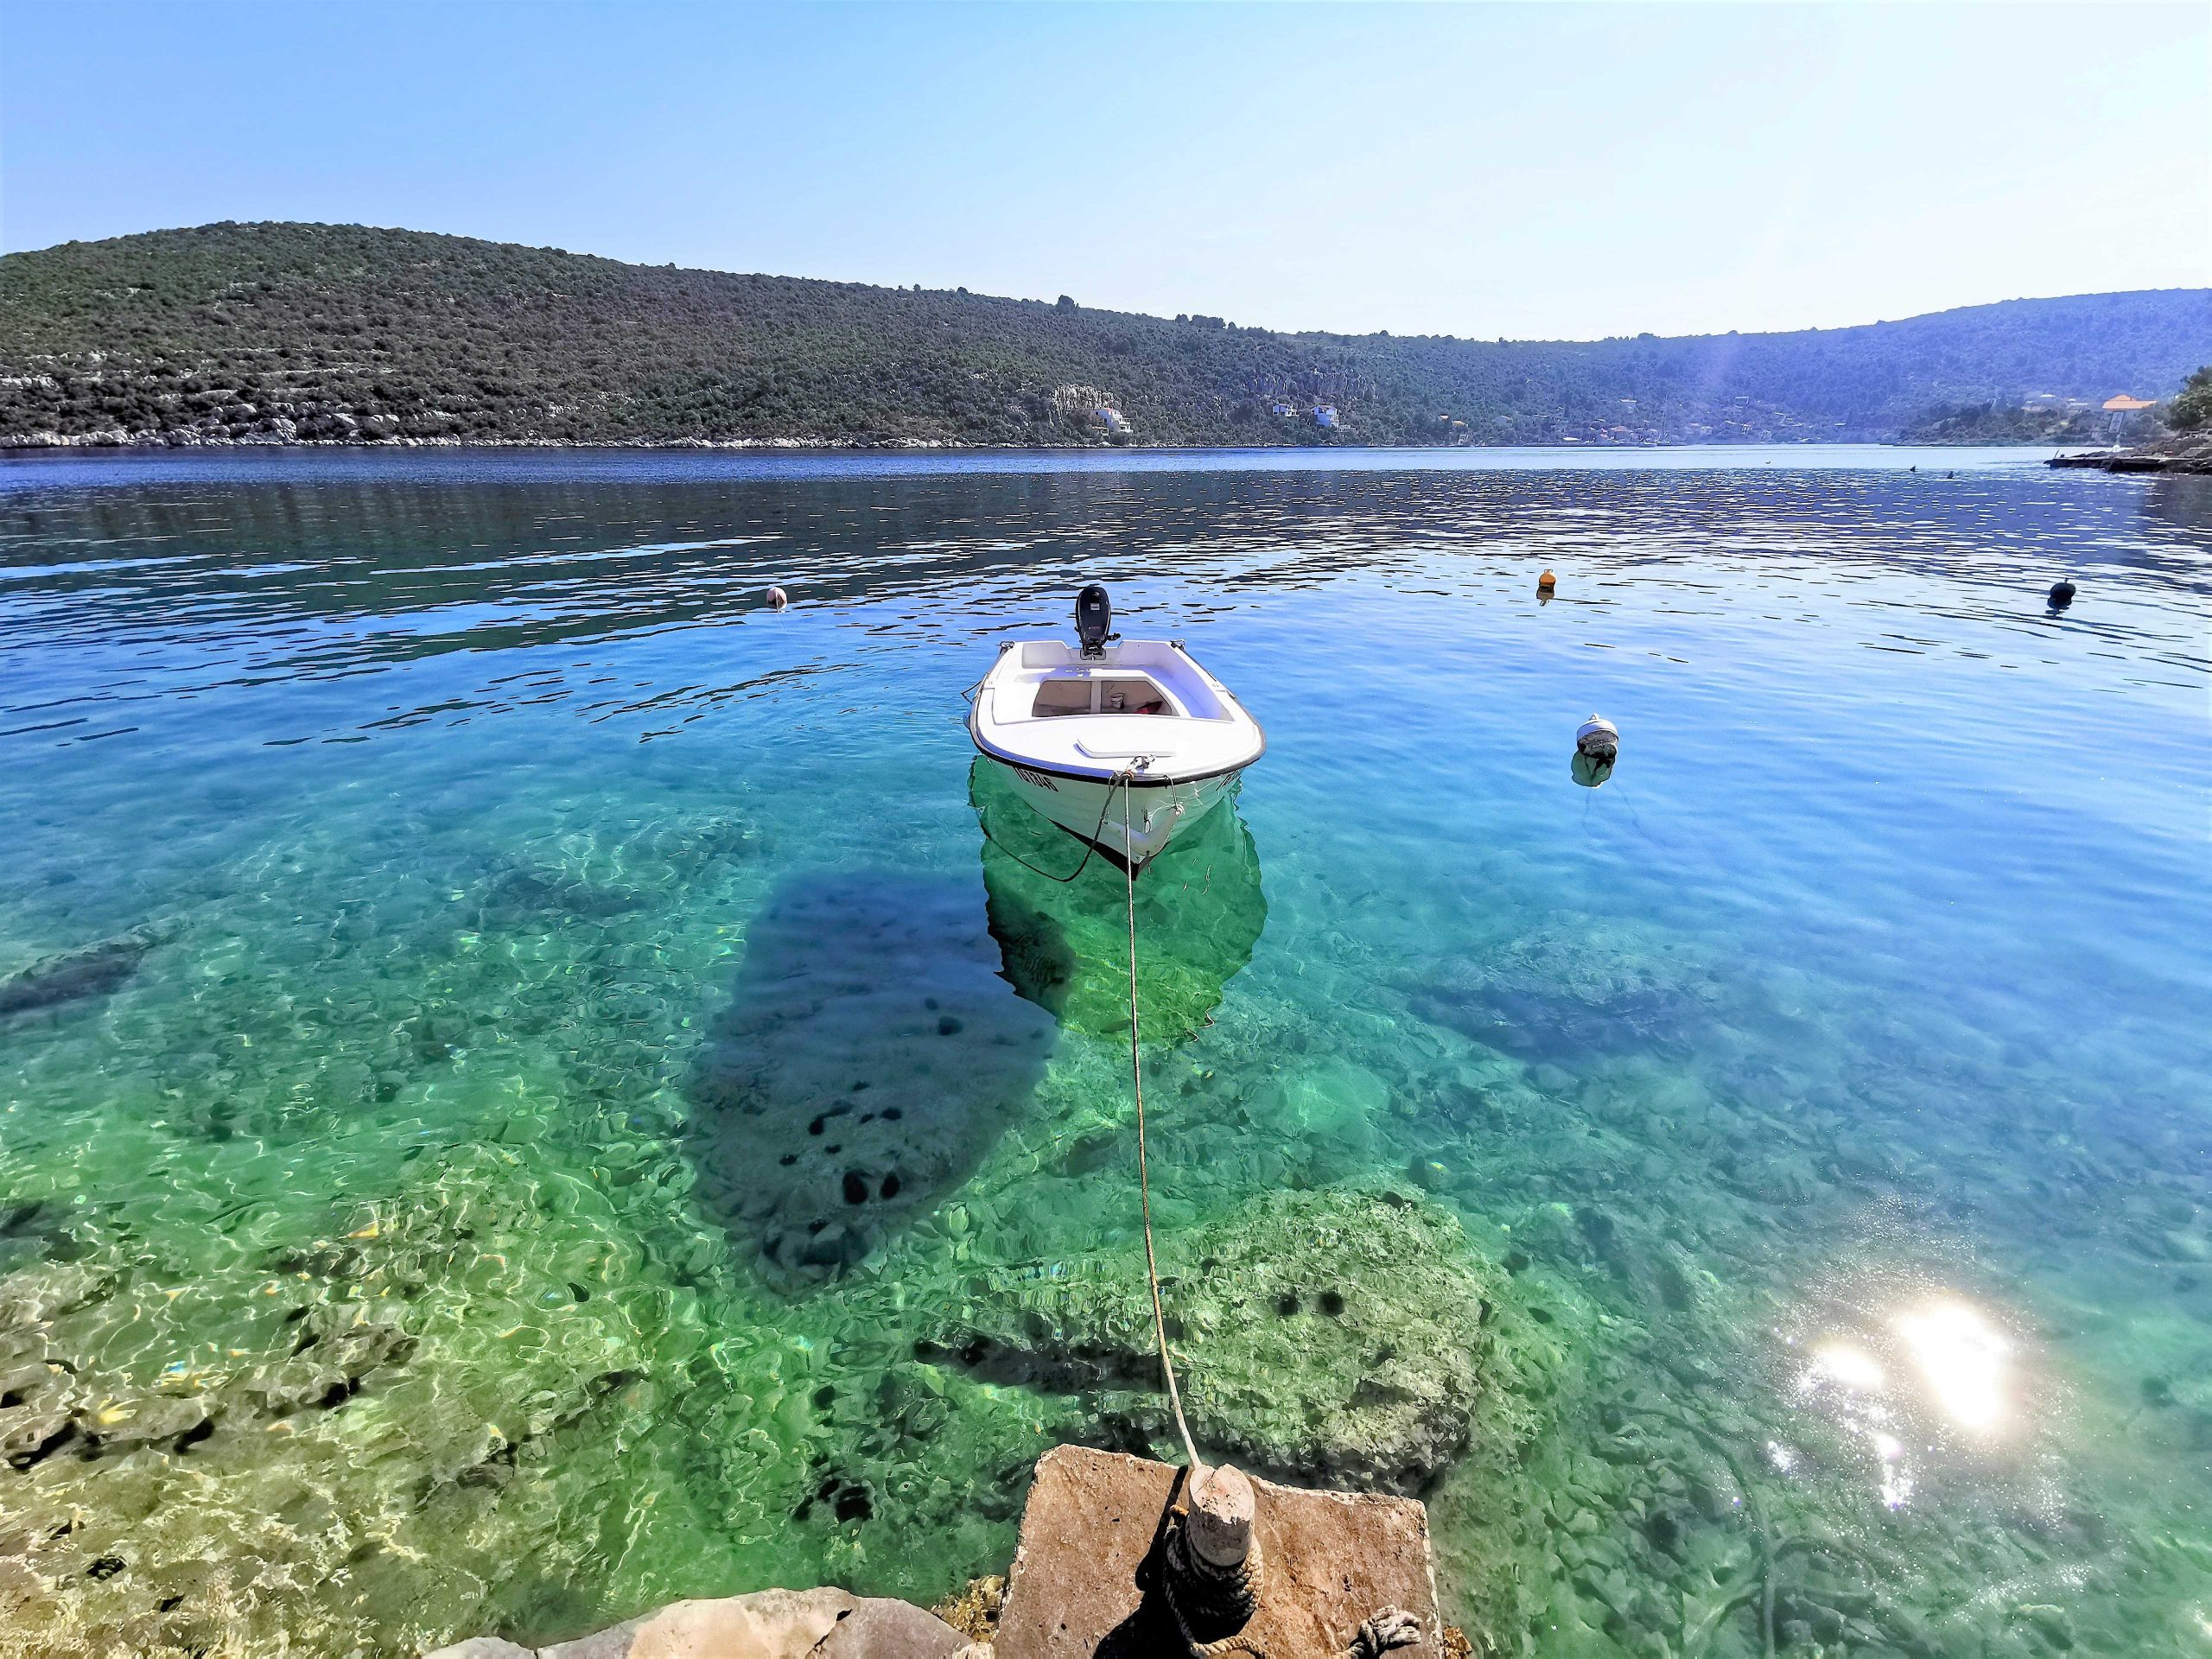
(1036, 779)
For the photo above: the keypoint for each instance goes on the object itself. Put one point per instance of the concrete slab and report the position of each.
(1090, 1533)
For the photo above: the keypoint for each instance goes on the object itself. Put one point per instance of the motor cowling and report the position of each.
(1094, 620)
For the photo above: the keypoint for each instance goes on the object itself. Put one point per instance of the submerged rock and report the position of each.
(521, 896)
(870, 1057)
(73, 975)
(1561, 990)
(1334, 1105)
(1333, 1337)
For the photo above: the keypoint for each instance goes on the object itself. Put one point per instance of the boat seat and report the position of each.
(1062, 696)
(1084, 694)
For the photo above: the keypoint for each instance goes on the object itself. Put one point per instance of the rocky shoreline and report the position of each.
(826, 1623)
(2190, 454)
(1106, 1541)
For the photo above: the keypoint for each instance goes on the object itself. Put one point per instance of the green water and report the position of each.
(421, 1219)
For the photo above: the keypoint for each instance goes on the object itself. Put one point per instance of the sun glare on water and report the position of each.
(1848, 1365)
(1906, 1371)
(1963, 1359)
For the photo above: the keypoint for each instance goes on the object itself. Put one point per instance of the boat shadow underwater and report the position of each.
(1063, 946)
(869, 1059)
(881, 1036)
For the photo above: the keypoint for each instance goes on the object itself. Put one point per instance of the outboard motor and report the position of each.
(1094, 618)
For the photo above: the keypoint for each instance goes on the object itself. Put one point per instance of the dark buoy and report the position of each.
(778, 599)
(2061, 596)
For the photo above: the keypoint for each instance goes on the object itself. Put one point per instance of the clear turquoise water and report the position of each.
(381, 1257)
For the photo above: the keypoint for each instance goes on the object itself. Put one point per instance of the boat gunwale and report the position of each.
(1135, 780)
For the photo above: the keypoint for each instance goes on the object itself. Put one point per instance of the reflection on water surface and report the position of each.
(1063, 943)
(443, 896)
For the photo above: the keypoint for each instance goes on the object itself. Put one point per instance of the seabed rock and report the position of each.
(1562, 990)
(74, 976)
(168, 1493)
(1334, 1336)
(522, 896)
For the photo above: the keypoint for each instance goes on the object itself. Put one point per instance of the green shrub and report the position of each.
(2191, 408)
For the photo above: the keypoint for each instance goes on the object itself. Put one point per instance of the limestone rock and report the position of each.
(824, 1623)
(1335, 1336)
(73, 975)
(880, 1628)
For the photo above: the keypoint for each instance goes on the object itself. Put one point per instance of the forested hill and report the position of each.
(277, 332)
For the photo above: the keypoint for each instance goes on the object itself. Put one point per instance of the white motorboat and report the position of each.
(1123, 743)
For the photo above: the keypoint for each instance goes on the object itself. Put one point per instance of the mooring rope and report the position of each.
(1144, 1176)
(1136, 1077)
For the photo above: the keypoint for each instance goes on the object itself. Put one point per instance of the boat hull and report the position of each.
(1093, 809)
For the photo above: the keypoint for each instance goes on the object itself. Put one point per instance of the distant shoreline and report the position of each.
(37, 443)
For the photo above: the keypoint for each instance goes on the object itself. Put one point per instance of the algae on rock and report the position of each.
(1341, 1338)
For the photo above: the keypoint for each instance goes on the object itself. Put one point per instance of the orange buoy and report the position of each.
(1546, 582)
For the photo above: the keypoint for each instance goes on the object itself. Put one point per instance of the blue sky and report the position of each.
(1528, 171)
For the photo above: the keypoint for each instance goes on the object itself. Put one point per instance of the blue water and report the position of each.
(456, 890)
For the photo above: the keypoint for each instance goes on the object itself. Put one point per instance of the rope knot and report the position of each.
(1390, 1629)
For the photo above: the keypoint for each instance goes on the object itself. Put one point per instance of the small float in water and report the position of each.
(1124, 744)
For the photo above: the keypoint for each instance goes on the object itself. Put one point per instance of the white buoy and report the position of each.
(1598, 738)
(778, 599)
